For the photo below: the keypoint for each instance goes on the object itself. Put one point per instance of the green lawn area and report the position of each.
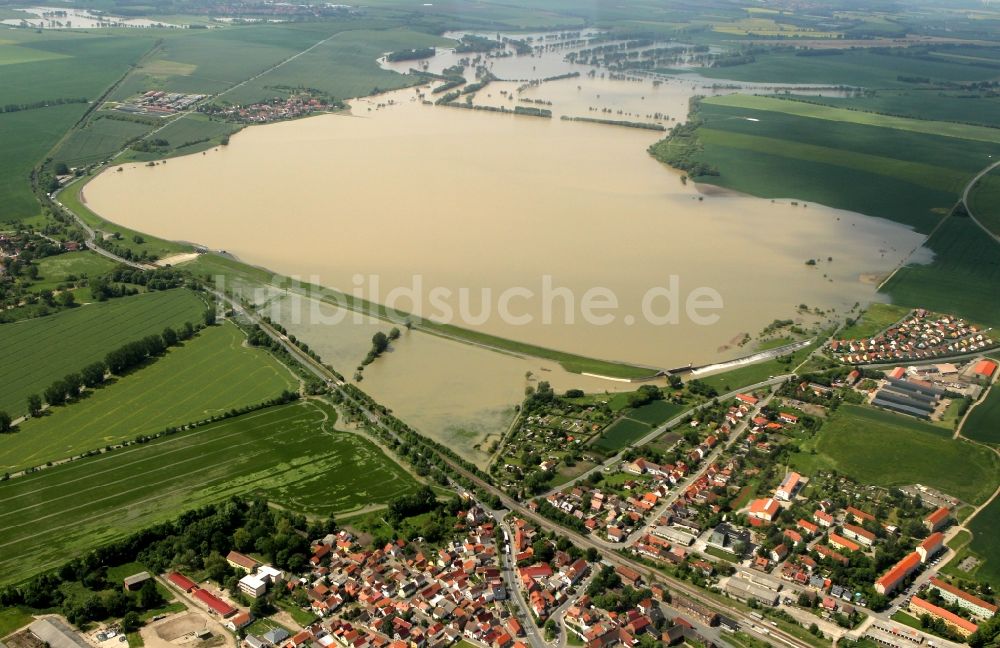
(722, 553)
(961, 279)
(877, 317)
(34, 353)
(302, 617)
(886, 449)
(983, 423)
(55, 270)
(208, 375)
(622, 433)
(906, 619)
(292, 454)
(13, 618)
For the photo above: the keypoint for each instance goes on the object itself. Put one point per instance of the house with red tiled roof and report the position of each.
(977, 606)
(841, 542)
(892, 579)
(862, 535)
(807, 526)
(985, 368)
(823, 519)
(830, 554)
(764, 509)
(938, 519)
(747, 399)
(930, 546)
(920, 607)
(242, 562)
(858, 515)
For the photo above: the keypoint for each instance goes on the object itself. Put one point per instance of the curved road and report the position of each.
(965, 199)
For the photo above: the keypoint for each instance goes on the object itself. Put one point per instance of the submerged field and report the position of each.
(36, 352)
(887, 449)
(208, 375)
(291, 454)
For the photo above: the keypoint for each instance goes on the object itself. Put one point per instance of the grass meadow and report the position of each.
(55, 270)
(876, 318)
(292, 454)
(210, 374)
(34, 353)
(886, 449)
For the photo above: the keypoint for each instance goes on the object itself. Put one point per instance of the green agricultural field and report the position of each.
(73, 64)
(292, 454)
(927, 104)
(98, 140)
(50, 66)
(984, 543)
(208, 375)
(886, 449)
(903, 175)
(983, 422)
(656, 412)
(27, 136)
(55, 270)
(961, 279)
(344, 66)
(622, 433)
(870, 69)
(830, 113)
(35, 352)
(188, 134)
(876, 318)
(984, 201)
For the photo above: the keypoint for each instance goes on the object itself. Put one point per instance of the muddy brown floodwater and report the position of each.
(474, 200)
